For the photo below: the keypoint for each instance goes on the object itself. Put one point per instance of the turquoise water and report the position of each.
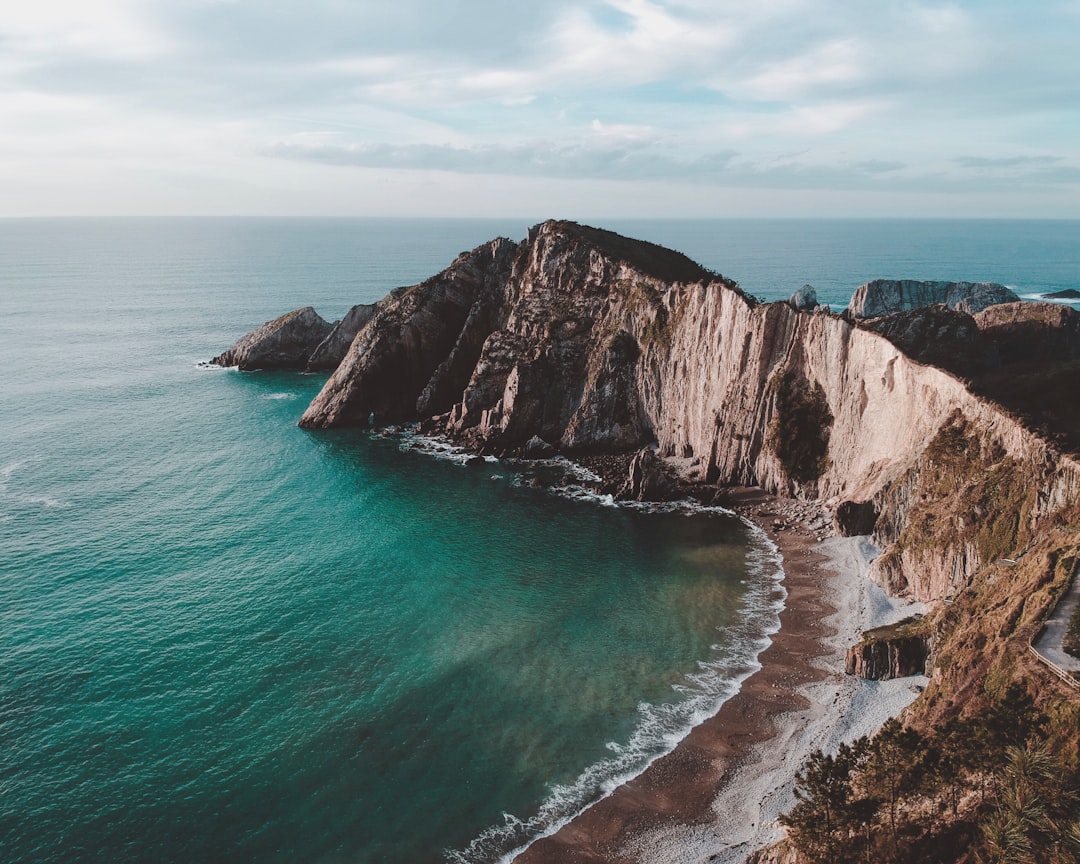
(224, 638)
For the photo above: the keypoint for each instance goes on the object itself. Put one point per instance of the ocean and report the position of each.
(225, 638)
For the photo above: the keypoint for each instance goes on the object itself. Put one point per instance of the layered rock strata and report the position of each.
(593, 343)
(887, 296)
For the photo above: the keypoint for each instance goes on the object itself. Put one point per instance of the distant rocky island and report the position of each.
(938, 417)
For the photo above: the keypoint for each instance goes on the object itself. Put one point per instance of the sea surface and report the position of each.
(225, 638)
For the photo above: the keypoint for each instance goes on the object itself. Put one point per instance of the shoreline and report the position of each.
(717, 795)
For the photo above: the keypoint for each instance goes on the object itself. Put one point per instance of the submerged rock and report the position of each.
(1067, 294)
(284, 343)
(888, 296)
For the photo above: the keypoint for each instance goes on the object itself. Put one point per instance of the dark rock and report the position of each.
(855, 518)
(409, 345)
(888, 296)
(939, 336)
(883, 659)
(284, 343)
(537, 448)
(331, 351)
(1067, 294)
(646, 480)
(805, 299)
(476, 460)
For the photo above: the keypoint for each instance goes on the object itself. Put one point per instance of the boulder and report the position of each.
(646, 479)
(284, 343)
(805, 299)
(537, 448)
(884, 659)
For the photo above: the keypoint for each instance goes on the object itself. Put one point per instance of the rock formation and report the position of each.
(331, 351)
(886, 658)
(1067, 294)
(585, 342)
(597, 344)
(805, 299)
(886, 296)
(284, 343)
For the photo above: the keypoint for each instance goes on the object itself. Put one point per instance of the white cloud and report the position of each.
(623, 91)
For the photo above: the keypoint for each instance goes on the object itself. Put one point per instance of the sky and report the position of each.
(586, 109)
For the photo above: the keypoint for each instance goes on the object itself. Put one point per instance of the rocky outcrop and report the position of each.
(415, 354)
(594, 343)
(887, 658)
(332, 350)
(284, 343)
(888, 296)
(646, 479)
(1067, 294)
(805, 299)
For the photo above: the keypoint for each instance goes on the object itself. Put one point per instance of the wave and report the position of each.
(24, 500)
(660, 728)
(1041, 298)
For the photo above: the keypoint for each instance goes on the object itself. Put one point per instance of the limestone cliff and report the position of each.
(592, 342)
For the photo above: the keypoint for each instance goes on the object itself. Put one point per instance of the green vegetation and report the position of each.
(665, 264)
(983, 789)
(799, 432)
(969, 491)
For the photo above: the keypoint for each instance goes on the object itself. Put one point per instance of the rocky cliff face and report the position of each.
(887, 296)
(589, 342)
(329, 353)
(284, 343)
(881, 658)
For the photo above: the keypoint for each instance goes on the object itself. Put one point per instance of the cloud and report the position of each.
(710, 91)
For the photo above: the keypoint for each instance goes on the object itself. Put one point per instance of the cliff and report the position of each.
(595, 343)
(947, 435)
(887, 296)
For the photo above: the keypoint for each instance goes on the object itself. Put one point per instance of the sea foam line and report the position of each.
(660, 728)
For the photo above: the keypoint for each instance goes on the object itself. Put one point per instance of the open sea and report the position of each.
(227, 639)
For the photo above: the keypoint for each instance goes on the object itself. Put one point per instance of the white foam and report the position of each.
(279, 396)
(24, 500)
(1062, 301)
(662, 727)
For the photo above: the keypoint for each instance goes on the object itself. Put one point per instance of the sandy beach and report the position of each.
(717, 796)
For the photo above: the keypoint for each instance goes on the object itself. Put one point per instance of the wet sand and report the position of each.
(716, 796)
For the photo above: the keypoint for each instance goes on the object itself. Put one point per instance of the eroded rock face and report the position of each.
(419, 346)
(888, 296)
(332, 350)
(884, 659)
(284, 343)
